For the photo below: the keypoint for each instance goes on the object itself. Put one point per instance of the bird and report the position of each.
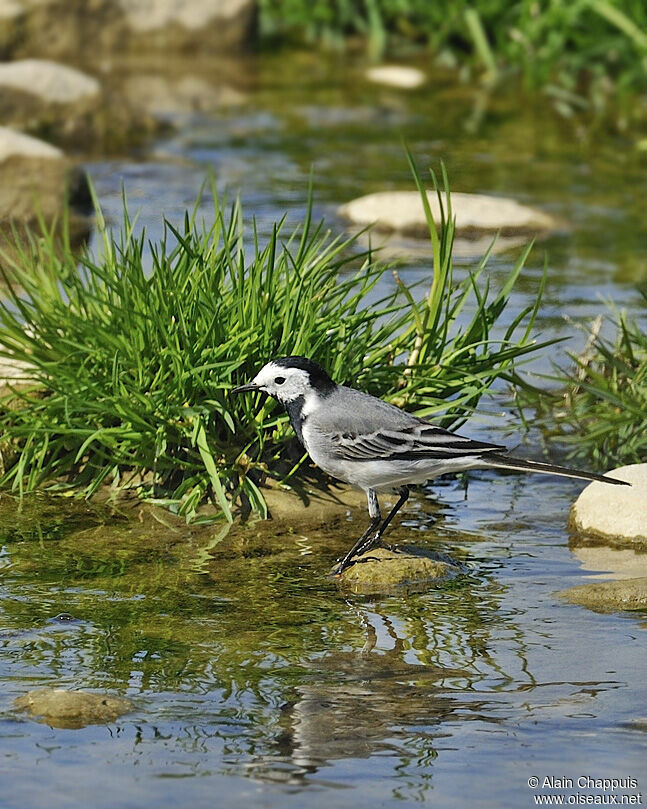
(376, 446)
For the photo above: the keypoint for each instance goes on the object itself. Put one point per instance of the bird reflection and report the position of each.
(355, 704)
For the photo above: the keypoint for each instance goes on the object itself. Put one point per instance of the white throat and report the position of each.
(311, 402)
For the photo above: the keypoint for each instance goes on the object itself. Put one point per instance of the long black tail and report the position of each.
(497, 461)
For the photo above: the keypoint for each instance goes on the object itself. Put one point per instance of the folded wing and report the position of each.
(411, 443)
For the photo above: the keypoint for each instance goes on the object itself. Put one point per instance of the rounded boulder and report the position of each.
(616, 514)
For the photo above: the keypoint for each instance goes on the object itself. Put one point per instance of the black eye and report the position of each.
(279, 380)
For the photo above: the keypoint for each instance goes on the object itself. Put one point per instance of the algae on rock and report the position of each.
(61, 708)
(382, 570)
(609, 596)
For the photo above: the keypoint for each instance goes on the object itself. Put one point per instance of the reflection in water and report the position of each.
(245, 661)
(610, 563)
(357, 704)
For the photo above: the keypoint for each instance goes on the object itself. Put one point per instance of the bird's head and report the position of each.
(288, 378)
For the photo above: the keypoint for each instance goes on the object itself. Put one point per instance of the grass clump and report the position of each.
(600, 407)
(131, 368)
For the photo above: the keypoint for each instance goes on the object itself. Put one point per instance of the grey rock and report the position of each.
(69, 107)
(154, 15)
(49, 81)
(12, 370)
(37, 182)
(399, 246)
(476, 214)
(16, 144)
(9, 9)
(164, 96)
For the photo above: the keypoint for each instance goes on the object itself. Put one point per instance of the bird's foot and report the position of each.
(337, 572)
(387, 546)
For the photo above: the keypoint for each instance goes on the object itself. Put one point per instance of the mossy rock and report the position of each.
(61, 708)
(387, 571)
(609, 596)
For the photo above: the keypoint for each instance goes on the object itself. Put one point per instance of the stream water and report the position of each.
(255, 680)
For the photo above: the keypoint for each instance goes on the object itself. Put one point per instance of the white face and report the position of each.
(285, 384)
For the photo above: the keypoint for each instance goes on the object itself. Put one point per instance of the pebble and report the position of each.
(406, 78)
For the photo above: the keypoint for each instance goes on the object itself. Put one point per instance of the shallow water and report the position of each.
(255, 679)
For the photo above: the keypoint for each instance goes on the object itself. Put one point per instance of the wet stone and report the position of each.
(383, 571)
(609, 596)
(609, 561)
(475, 214)
(72, 709)
(615, 514)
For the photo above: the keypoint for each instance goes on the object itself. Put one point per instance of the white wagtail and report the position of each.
(374, 445)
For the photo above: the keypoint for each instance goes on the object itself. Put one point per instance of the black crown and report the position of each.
(319, 379)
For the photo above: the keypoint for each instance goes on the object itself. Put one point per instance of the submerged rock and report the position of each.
(609, 596)
(72, 709)
(616, 514)
(406, 78)
(476, 214)
(314, 509)
(382, 570)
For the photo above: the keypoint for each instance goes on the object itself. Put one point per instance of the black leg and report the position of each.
(376, 519)
(372, 537)
(376, 539)
(404, 496)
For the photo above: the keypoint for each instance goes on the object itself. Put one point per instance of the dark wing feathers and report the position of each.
(409, 443)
